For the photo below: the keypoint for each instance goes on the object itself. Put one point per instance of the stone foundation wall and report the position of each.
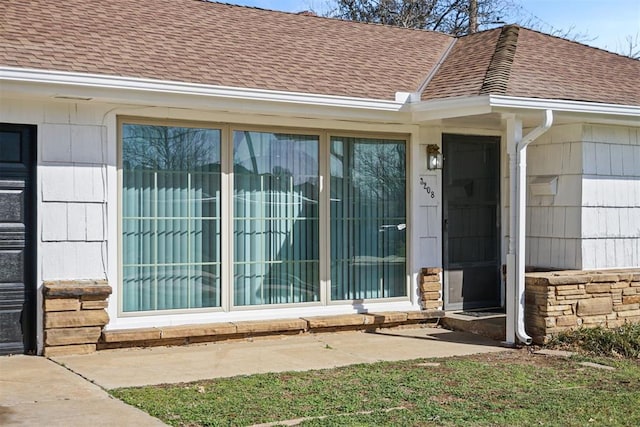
(74, 315)
(225, 331)
(563, 300)
(430, 289)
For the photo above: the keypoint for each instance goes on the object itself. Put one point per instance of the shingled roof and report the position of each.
(516, 61)
(219, 44)
(211, 43)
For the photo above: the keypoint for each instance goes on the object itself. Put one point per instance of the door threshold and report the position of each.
(492, 326)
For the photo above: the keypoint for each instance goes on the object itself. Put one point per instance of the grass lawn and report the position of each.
(506, 389)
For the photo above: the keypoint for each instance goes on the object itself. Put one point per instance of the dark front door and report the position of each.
(471, 221)
(17, 249)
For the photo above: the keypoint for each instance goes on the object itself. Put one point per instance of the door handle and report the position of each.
(445, 224)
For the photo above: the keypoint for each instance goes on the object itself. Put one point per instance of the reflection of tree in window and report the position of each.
(368, 222)
(379, 169)
(170, 217)
(168, 148)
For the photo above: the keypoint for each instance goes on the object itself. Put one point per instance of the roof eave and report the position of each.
(159, 92)
(445, 108)
(128, 89)
(502, 102)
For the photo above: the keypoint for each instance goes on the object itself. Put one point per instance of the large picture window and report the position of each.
(276, 218)
(170, 217)
(231, 218)
(368, 218)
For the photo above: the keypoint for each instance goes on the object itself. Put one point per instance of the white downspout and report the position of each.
(517, 149)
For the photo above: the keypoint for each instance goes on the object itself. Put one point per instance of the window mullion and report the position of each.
(325, 220)
(155, 246)
(189, 253)
(226, 220)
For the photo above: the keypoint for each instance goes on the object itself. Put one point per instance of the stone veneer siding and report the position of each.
(431, 289)
(562, 300)
(74, 315)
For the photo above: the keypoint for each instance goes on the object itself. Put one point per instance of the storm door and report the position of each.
(471, 221)
(17, 246)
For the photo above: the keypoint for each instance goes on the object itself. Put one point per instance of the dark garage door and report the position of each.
(17, 249)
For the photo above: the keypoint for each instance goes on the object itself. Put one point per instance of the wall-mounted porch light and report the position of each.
(434, 158)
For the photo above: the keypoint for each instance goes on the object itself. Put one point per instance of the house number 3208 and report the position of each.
(426, 186)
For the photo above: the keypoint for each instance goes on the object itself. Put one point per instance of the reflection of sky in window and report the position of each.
(278, 154)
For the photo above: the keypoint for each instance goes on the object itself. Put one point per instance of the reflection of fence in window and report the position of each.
(171, 218)
(368, 218)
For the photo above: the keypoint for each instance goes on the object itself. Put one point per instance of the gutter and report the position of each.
(594, 112)
(511, 103)
(517, 150)
(96, 81)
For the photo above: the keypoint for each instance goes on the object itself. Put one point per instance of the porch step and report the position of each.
(189, 334)
(491, 326)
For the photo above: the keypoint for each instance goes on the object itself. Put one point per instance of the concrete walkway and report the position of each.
(37, 391)
(157, 365)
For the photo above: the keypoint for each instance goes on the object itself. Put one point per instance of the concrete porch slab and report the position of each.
(157, 365)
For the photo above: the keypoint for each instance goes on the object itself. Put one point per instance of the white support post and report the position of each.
(513, 136)
(517, 148)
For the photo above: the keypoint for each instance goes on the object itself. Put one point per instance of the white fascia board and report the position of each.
(450, 107)
(483, 104)
(94, 81)
(504, 103)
